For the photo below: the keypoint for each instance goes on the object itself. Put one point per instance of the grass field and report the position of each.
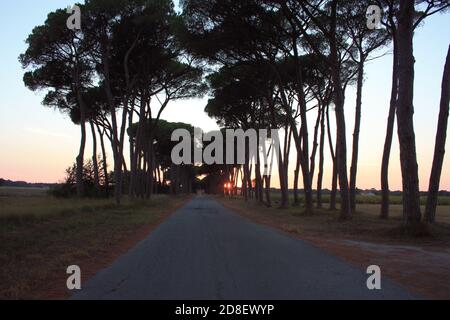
(365, 224)
(365, 199)
(40, 235)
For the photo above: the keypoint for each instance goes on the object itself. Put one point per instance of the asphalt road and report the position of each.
(205, 251)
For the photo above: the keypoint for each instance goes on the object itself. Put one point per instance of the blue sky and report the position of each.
(38, 143)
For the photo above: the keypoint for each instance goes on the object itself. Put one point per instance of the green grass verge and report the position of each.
(41, 236)
(365, 199)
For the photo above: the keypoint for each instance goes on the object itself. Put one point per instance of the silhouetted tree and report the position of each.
(439, 149)
(390, 22)
(365, 42)
(57, 57)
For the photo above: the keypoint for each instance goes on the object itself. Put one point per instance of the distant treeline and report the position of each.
(24, 184)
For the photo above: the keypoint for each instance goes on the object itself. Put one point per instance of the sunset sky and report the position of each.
(38, 143)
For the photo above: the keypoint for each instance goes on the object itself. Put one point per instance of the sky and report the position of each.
(37, 143)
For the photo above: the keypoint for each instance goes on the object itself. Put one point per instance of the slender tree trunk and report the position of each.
(354, 165)
(283, 186)
(94, 157)
(341, 158)
(115, 133)
(80, 157)
(405, 112)
(132, 150)
(384, 213)
(267, 172)
(244, 182)
(304, 163)
(267, 182)
(104, 161)
(439, 149)
(321, 159)
(296, 178)
(151, 167)
(250, 182)
(334, 183)
(117, 157)
(339, 97)
(334, 159)
(258, 183)
(283, 168)
(134, 154)
(315, 143)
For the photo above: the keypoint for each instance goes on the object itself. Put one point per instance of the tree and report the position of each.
(439, 149)
(257, 33)
(320, 20)
(57, 58)
(137, 59)
(405, 111)
(365, 42)
(391, 8)
(390, 21)
(240, 102)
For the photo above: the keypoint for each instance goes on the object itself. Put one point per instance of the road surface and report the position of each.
(205, 251)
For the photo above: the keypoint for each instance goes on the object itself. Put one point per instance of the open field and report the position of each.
(364, 225)
(41, 236)
(421, 262)
(364, 198)
(13, 192)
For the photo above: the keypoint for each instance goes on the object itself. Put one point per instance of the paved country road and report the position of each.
(205, 251)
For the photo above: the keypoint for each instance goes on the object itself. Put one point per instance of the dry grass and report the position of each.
(14, 192)
(40, 236)
(365, 224)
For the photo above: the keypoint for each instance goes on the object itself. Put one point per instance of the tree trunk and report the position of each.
(80, 157)
(283, 183)
(244, 182)
(384, 213)
(354, 165)
(115, 134)
(258, 183)
(315, 142)
(104, 161)
(339, 97)
(94, 157)
(321, 159)
(405, 112)
(304, 165)
(135, 164)
(267, 183)
(304, 160)
(341, 157)
(296, 177)
(132, 150)
(334, 158)
(439, 149)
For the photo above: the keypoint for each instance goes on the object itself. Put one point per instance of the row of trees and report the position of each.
(269, 64)
(277, 58)
(125, 64)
